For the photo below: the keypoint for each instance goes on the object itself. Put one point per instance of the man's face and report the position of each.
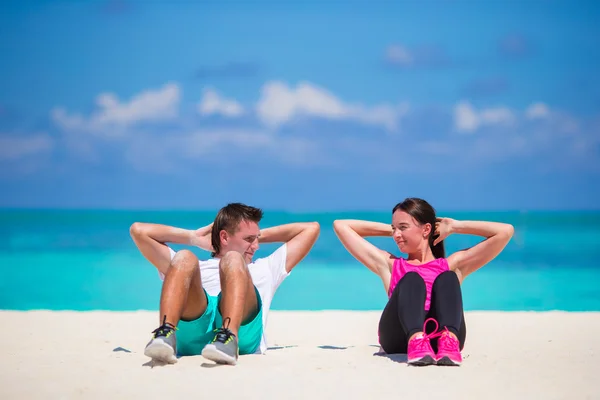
(244, 240)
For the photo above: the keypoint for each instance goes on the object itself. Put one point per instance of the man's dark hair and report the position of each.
(228, 219)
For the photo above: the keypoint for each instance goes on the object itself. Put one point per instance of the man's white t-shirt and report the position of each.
(267, 274)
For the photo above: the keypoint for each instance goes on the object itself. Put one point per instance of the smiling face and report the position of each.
(235, 228)
(243, 240)
(408, 233)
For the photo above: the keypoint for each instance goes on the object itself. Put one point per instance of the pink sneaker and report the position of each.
(448, 350)
(419, 351)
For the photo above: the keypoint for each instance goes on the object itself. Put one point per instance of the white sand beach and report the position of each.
(313, 355)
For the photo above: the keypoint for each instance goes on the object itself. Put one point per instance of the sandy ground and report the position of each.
(313, 355)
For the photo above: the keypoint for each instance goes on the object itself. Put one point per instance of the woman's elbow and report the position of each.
(339, 224)
(137, 229)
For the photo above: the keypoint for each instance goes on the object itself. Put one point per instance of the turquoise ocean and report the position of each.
(85, 260)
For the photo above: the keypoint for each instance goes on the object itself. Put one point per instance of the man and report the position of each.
(219, 307)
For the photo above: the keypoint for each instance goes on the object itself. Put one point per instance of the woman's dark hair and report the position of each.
(424, 213)
(228, 218)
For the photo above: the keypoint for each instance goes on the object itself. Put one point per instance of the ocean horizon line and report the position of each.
(297, 212)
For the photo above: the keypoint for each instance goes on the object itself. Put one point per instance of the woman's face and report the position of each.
(408, 233)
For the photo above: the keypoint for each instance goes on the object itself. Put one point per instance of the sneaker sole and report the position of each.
(160, 351)
(421, 362)
(211, 352)
(447, 361)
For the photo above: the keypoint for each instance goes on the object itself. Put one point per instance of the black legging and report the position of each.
(405, 313)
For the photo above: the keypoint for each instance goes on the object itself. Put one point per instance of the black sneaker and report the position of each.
(163, 345)
(223, 349)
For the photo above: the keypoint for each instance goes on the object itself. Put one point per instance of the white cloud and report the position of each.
(537, 110)
(202, 142)
(280, 104)
(147, 106)
(540, 134)
(68, 122)
(565, 123)
(169, 154)
(291, 151)
(212, 103)
(467, 119)
(14, 148)
(499, 115)
(421, 56)
(399, 55)
(185, 141)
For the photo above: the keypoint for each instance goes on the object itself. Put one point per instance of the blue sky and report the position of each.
(301, 105)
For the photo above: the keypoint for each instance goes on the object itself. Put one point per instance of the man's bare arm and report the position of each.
(151, 240)
(299, 237)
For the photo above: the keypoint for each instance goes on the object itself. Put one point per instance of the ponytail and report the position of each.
(424, 213)
(437, 250)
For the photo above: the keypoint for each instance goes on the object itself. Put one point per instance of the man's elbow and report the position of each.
(315, 227)
(312, 230)
(509, 231)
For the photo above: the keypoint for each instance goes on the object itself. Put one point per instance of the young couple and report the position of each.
(219, 307)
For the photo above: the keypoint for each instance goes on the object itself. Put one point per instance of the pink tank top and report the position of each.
(428, 271)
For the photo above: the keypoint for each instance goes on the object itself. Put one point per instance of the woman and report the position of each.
(424, 287)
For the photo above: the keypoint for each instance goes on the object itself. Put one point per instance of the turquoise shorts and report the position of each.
(192, 336)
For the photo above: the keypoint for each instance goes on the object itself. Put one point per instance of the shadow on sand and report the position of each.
(281, 347)
(399, 358)
(116, 349)
(155, 363)
(327, 347)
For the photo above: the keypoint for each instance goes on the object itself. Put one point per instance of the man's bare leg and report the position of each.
(238, 304)
(182, 297)
(238, 298)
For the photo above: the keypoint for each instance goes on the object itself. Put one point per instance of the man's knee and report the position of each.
(231, 260)
(185, 260)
